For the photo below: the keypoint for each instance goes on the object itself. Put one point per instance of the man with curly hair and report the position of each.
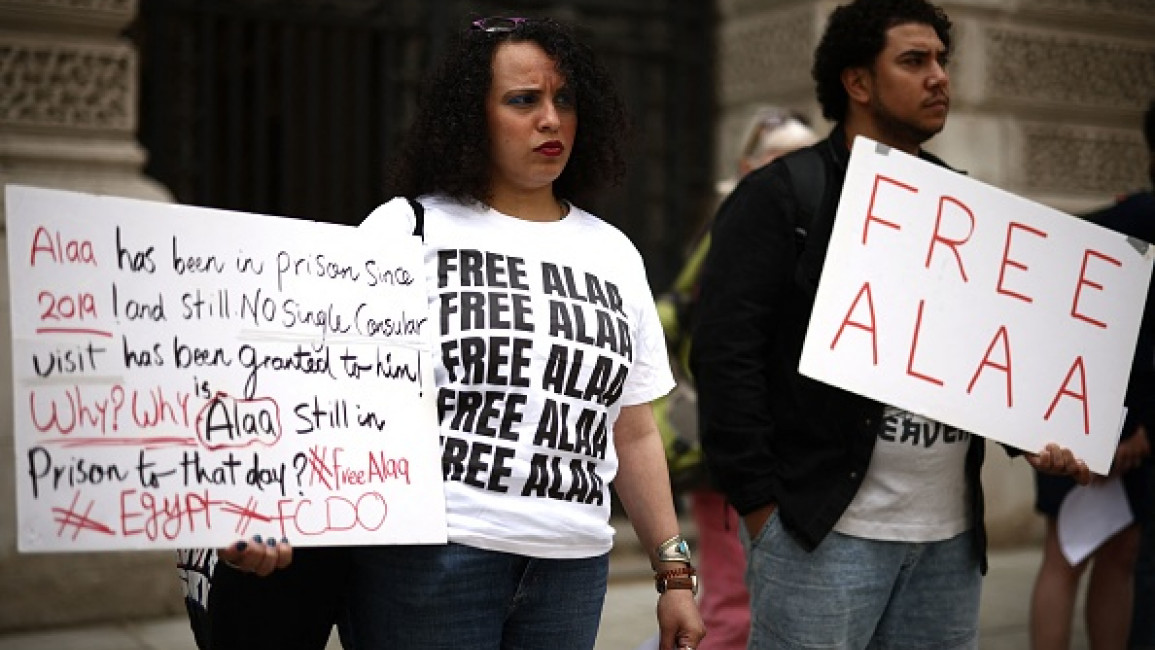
(864, 521)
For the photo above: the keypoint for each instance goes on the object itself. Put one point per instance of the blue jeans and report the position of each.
(455, 596)
(860, 593)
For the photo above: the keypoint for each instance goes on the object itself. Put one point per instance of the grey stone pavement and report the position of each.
(628, 618)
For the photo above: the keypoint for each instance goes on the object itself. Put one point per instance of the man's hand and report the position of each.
(257, 556)
(756, 519)
(1054, 459)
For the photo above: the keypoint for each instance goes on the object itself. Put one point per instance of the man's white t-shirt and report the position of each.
(915, 488)
(544, 331)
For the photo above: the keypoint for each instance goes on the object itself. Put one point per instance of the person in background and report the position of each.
(724, 601)
(1112, 589)
(856, 539)
(547, 356)
(1142, 205)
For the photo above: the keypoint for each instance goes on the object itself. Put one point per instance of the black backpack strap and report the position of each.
(419, 216)
(808, 178)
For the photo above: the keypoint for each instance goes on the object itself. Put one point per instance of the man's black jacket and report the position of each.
(771, 435)
(1134, 216)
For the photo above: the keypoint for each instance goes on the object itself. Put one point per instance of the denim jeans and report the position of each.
(455, 596)
(859, 593)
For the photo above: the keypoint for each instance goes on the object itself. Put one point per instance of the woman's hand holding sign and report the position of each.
(257, 556)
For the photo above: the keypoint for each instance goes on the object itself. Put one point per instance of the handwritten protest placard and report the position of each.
(188, 377)
(983, 310)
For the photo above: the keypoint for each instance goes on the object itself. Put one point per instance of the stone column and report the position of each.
(68, 117)
(1047, 102)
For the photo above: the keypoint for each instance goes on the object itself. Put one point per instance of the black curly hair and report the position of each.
(856, 34)
(447, 149)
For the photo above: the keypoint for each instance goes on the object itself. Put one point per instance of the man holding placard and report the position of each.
(857, 536)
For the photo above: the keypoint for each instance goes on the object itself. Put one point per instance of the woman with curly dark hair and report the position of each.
(447, 149)
(548, 354)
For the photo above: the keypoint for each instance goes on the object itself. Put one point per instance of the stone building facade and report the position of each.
(68, 106)
(1047, 100)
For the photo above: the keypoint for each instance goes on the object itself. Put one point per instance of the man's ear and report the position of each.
(857, 82)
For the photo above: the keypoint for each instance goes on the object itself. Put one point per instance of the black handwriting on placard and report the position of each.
(76, 359)
(117, 451)
(230, 422)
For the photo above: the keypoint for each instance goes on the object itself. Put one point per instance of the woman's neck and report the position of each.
(535, 206)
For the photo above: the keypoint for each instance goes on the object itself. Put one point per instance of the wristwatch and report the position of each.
(681, 578)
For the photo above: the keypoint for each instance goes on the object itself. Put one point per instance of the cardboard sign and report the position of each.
(977, 308)
(189, 377)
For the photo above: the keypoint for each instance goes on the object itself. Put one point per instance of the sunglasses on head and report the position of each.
(772, 119)
(497, 24)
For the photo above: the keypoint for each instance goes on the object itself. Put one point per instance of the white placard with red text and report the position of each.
(187, 377)
(975, 307)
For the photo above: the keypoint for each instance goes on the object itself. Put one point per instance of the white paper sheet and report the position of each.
(1089, 516)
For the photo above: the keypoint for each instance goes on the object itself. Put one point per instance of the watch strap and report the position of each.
(680, 578)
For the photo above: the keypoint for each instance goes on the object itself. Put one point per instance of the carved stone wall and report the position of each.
(764, 55)
(68, 87)
(1047, 102)
(1047, 94)
(1085, 159)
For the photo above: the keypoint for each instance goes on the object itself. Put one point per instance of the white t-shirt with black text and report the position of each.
(544, 331)
(915, 488)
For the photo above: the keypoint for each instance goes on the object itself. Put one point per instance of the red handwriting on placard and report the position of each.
(245, 515)
(70, 518)
(66, 307)
(328, 468)
(171, 516)
(1008, 262)
(868, 326)
(66, 410)
(333, 513)
(53, 247)
(167, 516)
(871, 216)
(954, 226)
(953, 244)
(1084, 282)
(1077, 371)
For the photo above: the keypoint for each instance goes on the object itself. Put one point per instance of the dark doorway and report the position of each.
(292, 107)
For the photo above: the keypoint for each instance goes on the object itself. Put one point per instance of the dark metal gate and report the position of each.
(292, 107)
